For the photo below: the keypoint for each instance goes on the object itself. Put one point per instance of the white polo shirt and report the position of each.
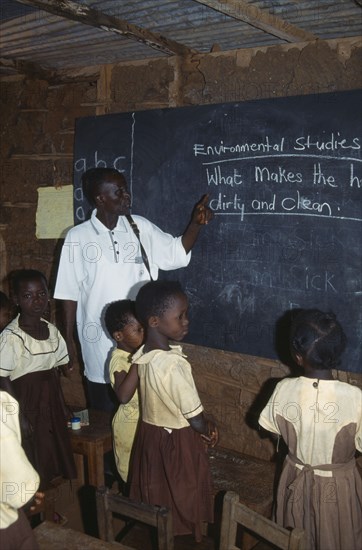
(98, 266)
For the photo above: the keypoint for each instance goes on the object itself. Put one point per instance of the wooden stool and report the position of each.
(47, 508)
(92, 442)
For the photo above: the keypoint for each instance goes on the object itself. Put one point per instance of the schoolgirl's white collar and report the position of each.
(140, 357)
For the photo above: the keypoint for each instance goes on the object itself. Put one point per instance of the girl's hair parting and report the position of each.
(23, 275)
(318, 337)
(155, 297)
(93, 178)
(118, 315)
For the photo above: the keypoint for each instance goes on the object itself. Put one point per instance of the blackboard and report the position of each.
(284, 179)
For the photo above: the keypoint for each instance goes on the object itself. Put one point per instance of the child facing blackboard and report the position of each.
(170, 464)
(320, 420)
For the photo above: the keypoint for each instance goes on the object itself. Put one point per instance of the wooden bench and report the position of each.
(251, 478)
(235, 513)
(156, 516)
(50, 536)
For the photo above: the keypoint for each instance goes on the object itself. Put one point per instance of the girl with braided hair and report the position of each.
(320, 420)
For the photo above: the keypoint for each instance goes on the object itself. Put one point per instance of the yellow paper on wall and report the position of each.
(54, 215)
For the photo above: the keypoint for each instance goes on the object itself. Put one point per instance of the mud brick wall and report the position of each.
(36, 149)
(37, 120)
(234, 388)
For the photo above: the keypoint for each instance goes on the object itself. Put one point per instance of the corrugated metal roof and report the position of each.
(37, 36)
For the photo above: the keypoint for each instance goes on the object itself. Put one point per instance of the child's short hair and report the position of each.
(318, 337)
(155, 297)
(92, 180)
(25, 275)
(118, 315)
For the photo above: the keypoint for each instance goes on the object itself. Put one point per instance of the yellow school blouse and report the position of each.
(125, 420)
(168, 393)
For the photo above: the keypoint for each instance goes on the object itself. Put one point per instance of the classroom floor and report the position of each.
(77, 504)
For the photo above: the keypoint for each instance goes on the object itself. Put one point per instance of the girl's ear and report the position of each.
(118, 335)
(153, 321)
(298, 359)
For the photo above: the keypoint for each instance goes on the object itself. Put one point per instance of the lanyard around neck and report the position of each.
(137, 233)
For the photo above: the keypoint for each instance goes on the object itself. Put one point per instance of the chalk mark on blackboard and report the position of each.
(325, 157)
(132, 152)
(285, 214)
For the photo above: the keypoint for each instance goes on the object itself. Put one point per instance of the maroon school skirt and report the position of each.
(47, 445)
(172, 470)
(19, 535)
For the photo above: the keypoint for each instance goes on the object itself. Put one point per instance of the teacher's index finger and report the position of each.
(204, 200)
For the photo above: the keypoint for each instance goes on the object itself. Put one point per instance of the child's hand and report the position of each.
(65, 370)
(37, 501)
(36, 504)
(201, 213)
(212, 437)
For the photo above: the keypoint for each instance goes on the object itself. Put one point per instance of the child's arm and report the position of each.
(69, 315)
(6, 385)
(207, 428)
(125, 384)
(66, 410)
(64, 370)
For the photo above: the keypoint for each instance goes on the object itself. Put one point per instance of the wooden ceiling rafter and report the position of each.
(88, 16)
(28, 68)
(261, 19)
(260, 27)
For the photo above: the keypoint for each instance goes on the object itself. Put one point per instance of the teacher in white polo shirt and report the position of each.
(107, 258)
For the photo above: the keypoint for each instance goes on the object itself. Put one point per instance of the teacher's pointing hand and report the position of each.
(201, 213)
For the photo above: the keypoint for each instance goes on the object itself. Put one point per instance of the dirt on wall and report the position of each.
(240, 75)
(36, 148)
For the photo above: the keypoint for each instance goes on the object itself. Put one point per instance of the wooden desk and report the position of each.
(49, 535)
(92, 442)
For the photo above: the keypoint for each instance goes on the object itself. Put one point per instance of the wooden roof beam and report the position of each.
(261, 19)
(27, 68)
(89, 16)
